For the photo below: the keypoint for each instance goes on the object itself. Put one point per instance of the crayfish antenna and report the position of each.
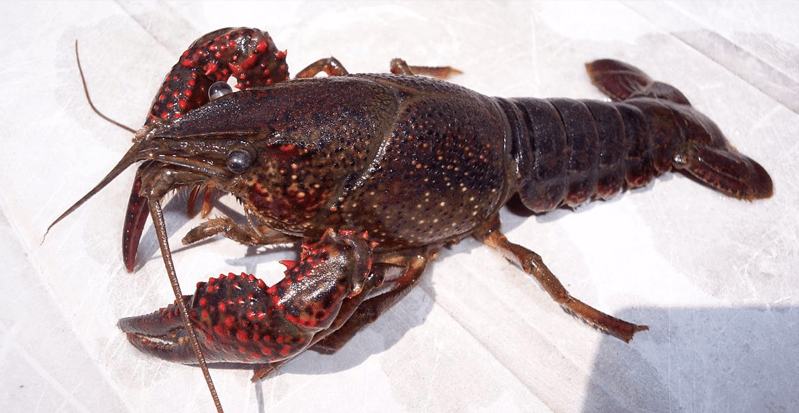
(127, 160)
(160, 229)
(89, 99)
(132, 156)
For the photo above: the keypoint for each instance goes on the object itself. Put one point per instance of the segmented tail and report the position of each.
(705, 154)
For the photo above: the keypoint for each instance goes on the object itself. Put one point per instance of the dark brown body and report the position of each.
(417, 161)
(373, 175)
(368, 152)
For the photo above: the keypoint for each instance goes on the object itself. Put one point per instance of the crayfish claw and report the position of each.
(160, 333)
(238, 319)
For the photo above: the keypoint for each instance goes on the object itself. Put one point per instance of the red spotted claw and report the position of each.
(239, 319)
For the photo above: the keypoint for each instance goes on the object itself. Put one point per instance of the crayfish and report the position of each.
(372, 174)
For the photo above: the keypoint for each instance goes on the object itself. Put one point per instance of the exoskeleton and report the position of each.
(373, 174)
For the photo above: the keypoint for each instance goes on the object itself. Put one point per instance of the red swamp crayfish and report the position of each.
(373, 174)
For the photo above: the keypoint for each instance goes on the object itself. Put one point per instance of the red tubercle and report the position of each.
(250, 61)
(242, 336)
(286, 350)
(211, 68)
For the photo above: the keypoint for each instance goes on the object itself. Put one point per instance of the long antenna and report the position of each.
(160, 229)
(86, 91)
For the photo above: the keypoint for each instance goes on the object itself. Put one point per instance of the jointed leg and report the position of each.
(333, 67)
(230, 229)
(329, 65)
(532, 264)
(401, 67)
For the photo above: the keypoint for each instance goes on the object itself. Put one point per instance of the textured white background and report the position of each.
(716, 279)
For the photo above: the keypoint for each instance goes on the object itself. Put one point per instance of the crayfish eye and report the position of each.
(238, 161)
(219, 89)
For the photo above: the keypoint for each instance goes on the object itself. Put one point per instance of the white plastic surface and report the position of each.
(716, 279)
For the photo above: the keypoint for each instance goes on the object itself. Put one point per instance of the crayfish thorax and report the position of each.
(311, 143)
